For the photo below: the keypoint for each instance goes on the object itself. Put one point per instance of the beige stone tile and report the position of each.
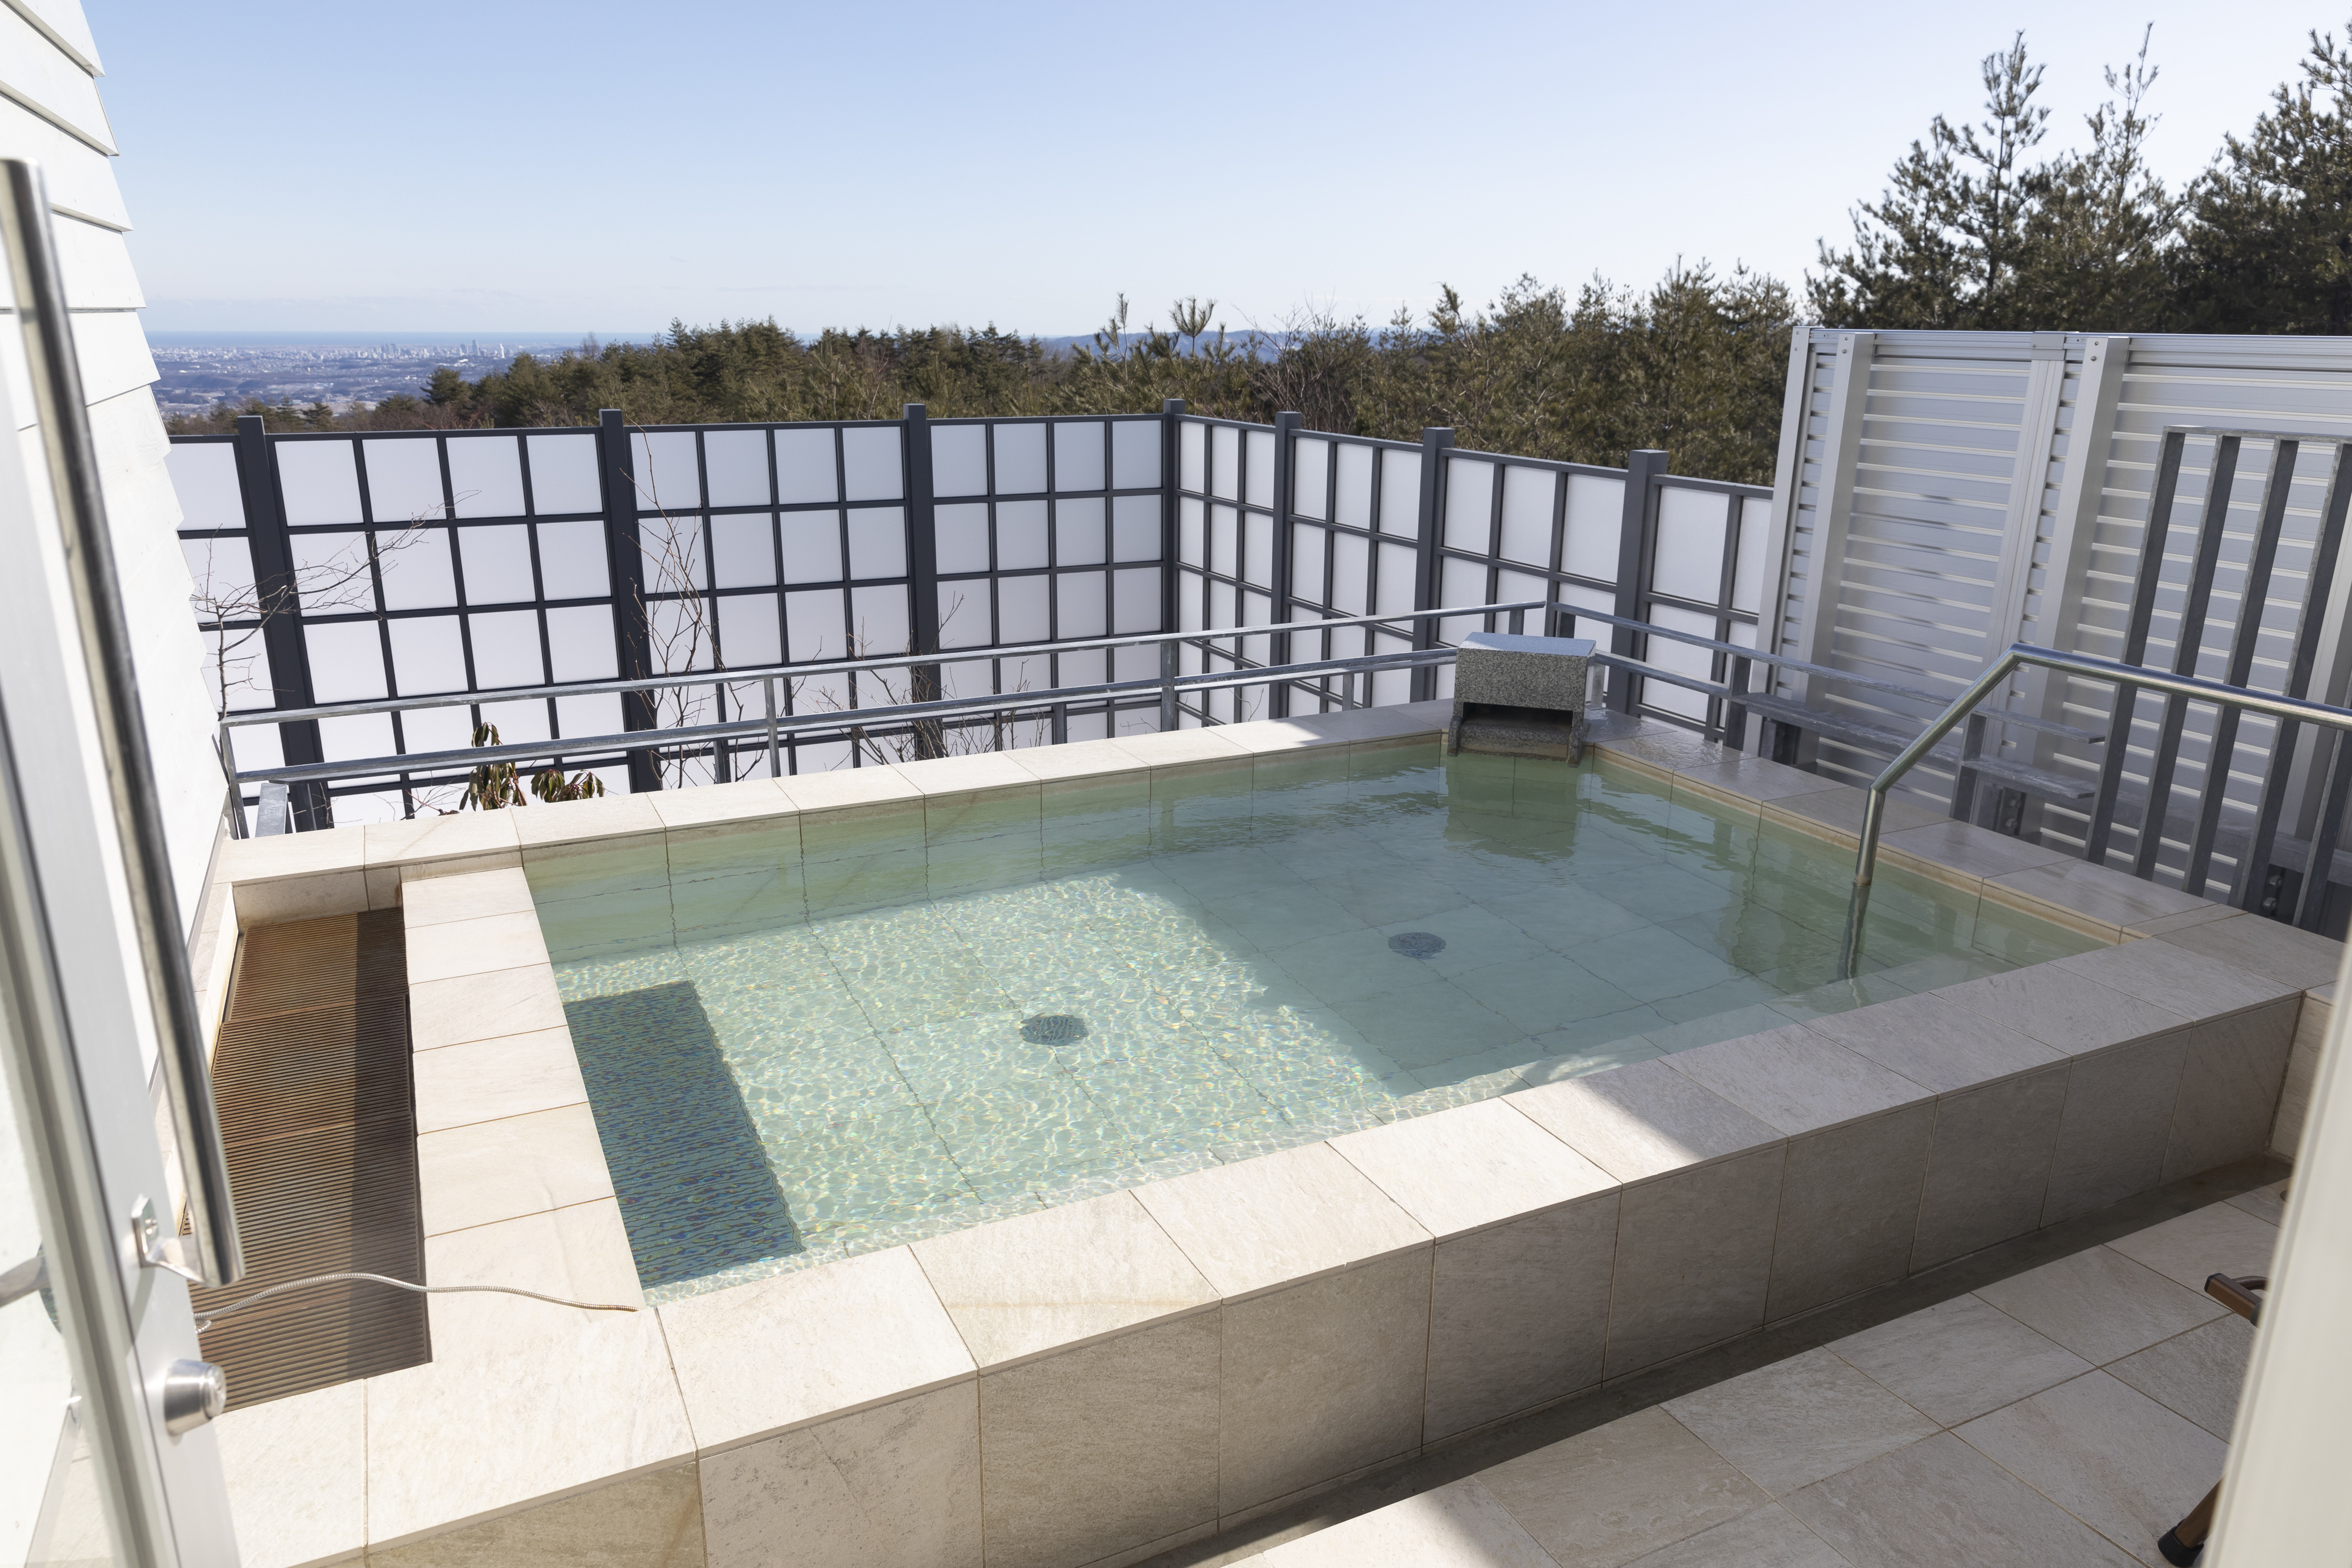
(1643, 1120)
(515, 1166)
(1753, 779)
(1934, 1042)
(2176, 979)
(2165, 924)
(291, 854)
(2198, 1375)
(1280, 1219)
(1075, 760)
(1456, 1526)
(2107, 897)
(2301, 1073)
(437, 900)
(2059, 1009)
(1671, 747)
(839, 787)
(1970, 849)
(646, 1521)
(460, 835)
(2219, 1239)
(1849, 1209)
(301, 897)
(2268, 947)
(2230, 1082)
(1694, 1258)
(296, 1470)
(893, 1487)
(1179, 746)
(1099, 1449)
(1322, 1379)
(1836, 813)
(2100, 1304)
(597, 868)
(2106, 1454)
(1988, 1164)
(1794, 1079)
(1049, 1280)
(485, 1079)
(450, 1442)
(579, 1253)
(1939, 1502)
(2265, 1203)
(1519, 1313)
(1278, 735)
(965, 775)
(565, 822)
(483, 1007)
(1608, 1496)
(1471, 1166)
(474, 946)
(1958, 1359)
(708, 804)
(862, 1331)
(1770, 1537)
(1791, 1423)
(2117, 1126)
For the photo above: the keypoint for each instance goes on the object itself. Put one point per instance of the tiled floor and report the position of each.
(861, 1079)
(2063, 1417)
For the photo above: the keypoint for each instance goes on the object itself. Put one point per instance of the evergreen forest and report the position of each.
(1989, 223)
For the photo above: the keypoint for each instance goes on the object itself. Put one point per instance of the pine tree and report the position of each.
(1943, 245)
(2268, 242)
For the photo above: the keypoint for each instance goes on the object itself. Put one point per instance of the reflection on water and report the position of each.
(784, 1074)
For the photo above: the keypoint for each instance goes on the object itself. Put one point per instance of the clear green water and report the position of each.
(808, 1041)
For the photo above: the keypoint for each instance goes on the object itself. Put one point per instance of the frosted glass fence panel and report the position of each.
(471, 562)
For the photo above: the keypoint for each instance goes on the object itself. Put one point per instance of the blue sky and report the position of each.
(496, 166)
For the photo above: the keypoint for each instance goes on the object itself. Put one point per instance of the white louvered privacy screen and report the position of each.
(1941, 495)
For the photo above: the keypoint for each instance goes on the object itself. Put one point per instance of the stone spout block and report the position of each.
(1521, 697)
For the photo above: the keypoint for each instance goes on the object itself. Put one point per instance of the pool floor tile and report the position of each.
(850, 1022)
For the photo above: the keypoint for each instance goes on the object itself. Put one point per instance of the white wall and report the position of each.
(50, 111)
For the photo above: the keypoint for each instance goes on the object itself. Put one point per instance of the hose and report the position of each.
(405, 1285)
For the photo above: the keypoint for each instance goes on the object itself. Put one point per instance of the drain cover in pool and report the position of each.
(1417, 943)
(1052, 1029)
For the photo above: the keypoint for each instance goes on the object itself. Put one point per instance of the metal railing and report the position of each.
(1728, 722)
(2129, 680)
(774, 723)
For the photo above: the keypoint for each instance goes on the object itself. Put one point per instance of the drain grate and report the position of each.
(1052, 1029)
(312, 1075)
(1417, 943)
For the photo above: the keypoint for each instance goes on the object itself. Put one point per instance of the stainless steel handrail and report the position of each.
(154, 905)
(2128, 678)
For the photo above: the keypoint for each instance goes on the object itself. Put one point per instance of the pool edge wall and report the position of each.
(1097, 1383)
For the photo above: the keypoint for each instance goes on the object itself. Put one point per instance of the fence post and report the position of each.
(1285, 433)
(1171, 465)
(922, 575)
(1426, 578)
(616, 466)
(277, 596)
(1637, 536)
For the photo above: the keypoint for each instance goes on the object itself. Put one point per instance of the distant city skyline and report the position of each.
(461, 167)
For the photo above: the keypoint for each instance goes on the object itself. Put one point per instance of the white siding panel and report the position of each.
(68, 27)
(112, 349)
(35, 72)
(81, 178)
(97, 268)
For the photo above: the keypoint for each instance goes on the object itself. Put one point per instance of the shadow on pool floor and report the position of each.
(695, 1186)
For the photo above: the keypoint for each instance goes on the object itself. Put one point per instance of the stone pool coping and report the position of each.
(1272, 1327)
